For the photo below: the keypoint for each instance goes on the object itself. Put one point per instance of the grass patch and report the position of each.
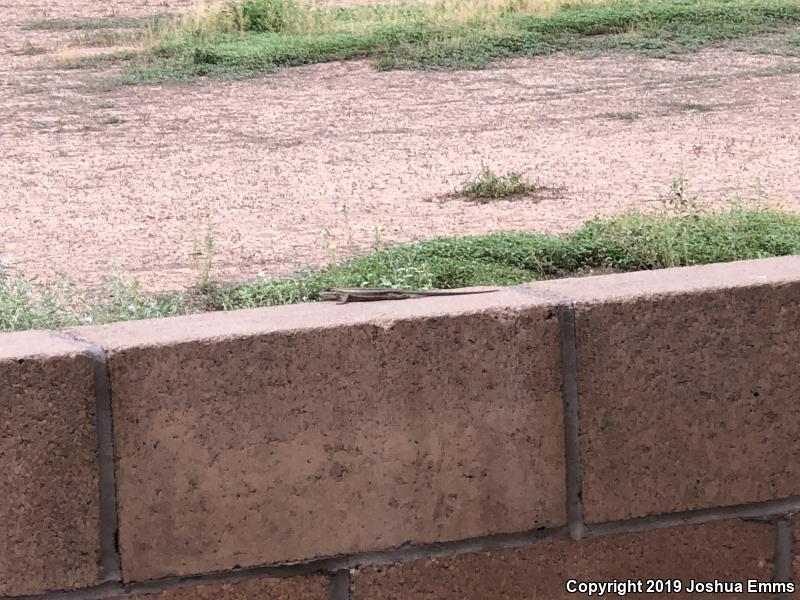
(628, 243)
(106, 38)
(691, 107)
(488, 185)
(87, 24)
(793, 42)
(29, 49)
(245, 37)
(68, 60)
(628, 116)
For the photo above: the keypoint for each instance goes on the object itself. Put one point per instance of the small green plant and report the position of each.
(124, 300)
(691, 107)
(203, 254)
(487, 185)
(263, 16)
(620, 116)
(26, 305)
(377, 238)
(344, 209)
(29, 49)
(677, 198)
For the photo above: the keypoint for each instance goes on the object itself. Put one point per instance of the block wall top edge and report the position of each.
(205, 327)
(19, 345)
(681, 280)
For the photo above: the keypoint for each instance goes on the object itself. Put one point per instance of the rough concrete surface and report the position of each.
(417, 421)
(49, 497)
(727, 551)
(688, 400)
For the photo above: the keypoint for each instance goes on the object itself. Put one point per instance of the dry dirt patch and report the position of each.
(136, 175)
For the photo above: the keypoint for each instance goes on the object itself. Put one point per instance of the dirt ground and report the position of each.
(138, 176)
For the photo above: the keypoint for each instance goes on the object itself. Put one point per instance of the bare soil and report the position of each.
(137, 176)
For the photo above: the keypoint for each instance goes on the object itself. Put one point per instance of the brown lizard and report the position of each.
(345, 295)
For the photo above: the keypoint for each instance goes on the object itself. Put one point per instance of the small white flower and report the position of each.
(152, 305)
(5, 262)
(88, 319)
(261, 275)
(131, 308)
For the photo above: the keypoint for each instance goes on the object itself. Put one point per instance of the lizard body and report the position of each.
(345, 295)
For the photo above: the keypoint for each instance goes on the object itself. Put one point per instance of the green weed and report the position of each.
(488, 185)
(26, 305)
(628, 116)
(203, 254)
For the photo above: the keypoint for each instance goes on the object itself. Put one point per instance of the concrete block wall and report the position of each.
(621, 427)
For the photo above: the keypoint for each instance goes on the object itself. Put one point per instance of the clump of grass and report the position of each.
(25, 305)
(261, 16)
(84, 24)
(691, 107)
(72, 60)
(29, 49)
(106, 38)
(241, 37)
(628, 116)
(122, 300)
(488, 185)
(681, 235)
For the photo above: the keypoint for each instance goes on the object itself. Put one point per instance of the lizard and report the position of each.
(345, 295)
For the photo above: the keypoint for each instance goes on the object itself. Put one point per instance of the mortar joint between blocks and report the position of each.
(572, 429)
(341, 585)
(110, 567)
(784, 553)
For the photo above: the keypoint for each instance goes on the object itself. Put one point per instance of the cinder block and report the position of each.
(49, 496)
(295, 588)
(729, 551)
(289, 433)
(688, 386)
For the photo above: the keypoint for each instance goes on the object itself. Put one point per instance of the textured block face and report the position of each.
(295, 443)
(687, 400)
(296, 588)
(49, 496)
(730, 551)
